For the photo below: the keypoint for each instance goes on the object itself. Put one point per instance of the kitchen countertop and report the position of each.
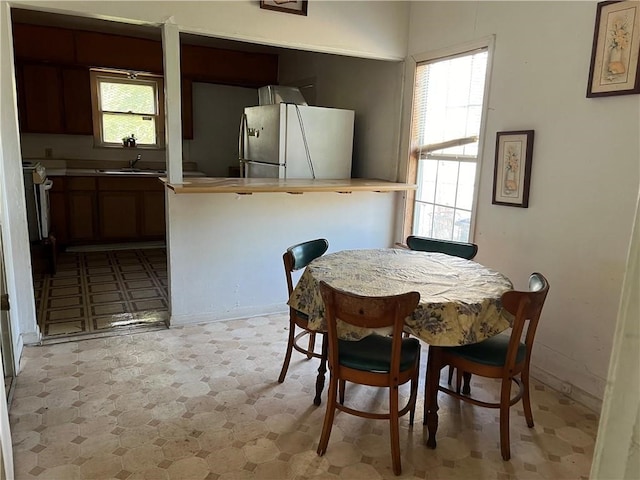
(247, 186)
(96, 172)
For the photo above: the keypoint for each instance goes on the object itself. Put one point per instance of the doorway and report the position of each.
(103, 291)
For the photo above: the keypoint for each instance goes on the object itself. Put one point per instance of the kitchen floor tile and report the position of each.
(99, 291)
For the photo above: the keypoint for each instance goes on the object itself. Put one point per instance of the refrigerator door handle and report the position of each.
(241, 139)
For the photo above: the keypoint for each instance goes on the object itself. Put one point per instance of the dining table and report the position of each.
(460, 301)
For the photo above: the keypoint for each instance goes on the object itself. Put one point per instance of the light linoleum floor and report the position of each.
(202, 402)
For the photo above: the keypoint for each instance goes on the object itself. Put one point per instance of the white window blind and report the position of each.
(447, 109)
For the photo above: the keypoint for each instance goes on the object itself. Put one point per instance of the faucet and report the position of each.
(132, 163)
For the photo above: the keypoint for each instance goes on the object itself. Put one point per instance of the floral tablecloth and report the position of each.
(459, 299)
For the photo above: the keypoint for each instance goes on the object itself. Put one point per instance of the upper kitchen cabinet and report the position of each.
(116, 51)
(229, 67)
(45, 44)
(54, 99)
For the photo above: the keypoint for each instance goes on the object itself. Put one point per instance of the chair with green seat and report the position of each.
(376, 360)
(456, 249)
(503, 357)
(296, 257)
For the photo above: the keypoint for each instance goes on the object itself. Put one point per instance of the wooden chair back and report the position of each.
(366, 312)
(526, 306)
(300, 255)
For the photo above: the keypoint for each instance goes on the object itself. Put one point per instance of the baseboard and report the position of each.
(574, 393)
(178, 320)
(116, 246)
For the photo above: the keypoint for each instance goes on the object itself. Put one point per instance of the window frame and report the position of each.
(408, 165)
(122, 76)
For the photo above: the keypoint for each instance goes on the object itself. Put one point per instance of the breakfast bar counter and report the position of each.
(247, 186)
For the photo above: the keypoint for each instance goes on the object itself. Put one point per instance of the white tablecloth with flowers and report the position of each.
(459, 299)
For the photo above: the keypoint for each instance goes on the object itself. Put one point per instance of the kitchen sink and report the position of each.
(131, 171)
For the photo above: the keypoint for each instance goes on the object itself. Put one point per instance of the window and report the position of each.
(446, 123)
(126, 104)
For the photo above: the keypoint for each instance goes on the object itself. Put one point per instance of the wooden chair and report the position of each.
(456, 249)
(502, 356)
(296, 257)
(376, 360)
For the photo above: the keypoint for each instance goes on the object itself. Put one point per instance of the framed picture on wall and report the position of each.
(615, 69)
(512, 173)
(299, 7)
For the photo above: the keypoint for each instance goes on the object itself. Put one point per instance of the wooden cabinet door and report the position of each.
(42, 97)
(76, 95)
(49, 44)
(153, 219)
(82, 209)
(82, 216)
(117, 51)
(118, 213)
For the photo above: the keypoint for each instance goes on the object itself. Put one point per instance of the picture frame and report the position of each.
(512, 172)
(615, 65)
(298, 7)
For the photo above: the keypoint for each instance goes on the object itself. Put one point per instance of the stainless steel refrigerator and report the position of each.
(289, 141)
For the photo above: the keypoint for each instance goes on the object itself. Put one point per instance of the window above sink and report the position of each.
(128, 109)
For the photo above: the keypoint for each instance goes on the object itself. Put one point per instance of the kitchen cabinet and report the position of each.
(228, 67)
(118, 51)
(93, 210)
(41, 43)
(42, 106)
(76, 97)
(82, 209)
(52, 69)
(54, 99)
(130, 209)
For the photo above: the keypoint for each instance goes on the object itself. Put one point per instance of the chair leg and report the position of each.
(394, 429)
(451, 375)
(287, 356)
(458, 379)
(312, 345)
(505, 400)
(466, 387)
(526, 398)
(413, 395)
(328, 416)
(341, 387)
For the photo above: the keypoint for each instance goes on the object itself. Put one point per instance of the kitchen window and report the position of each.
(128, 109)
(447, 117)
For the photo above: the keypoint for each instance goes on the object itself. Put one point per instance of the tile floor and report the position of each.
(202, 402)
(100, 291)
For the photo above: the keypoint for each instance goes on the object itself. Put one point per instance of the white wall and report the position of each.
(372, 88)
(226, 249)
(216, 121)
(585, 174)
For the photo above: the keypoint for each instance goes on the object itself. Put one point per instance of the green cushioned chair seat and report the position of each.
(492, 351)
(373, 353)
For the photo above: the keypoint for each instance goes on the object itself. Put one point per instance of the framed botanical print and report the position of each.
(615, 69)
(512, 173)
